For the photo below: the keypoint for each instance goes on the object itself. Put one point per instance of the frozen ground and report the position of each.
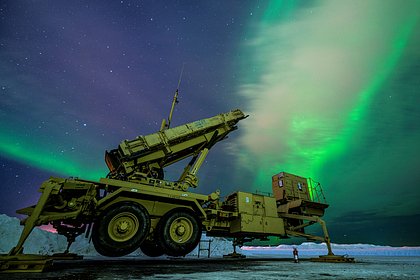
(370, 267)
(373, 262)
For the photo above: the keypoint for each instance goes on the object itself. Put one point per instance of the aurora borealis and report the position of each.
(331, 87)
(329, 96)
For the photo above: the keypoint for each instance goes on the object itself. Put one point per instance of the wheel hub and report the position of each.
(123, 226)
(181, 230)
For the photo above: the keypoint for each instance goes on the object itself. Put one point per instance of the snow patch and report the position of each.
(44, 242)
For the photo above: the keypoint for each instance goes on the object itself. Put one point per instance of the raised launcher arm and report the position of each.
(146, 156)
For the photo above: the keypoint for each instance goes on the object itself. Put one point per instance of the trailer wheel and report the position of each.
(179, 232)
(151, 249)
(120, 230)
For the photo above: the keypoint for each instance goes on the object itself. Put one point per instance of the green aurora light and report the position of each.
(35, 154)
(309, 159)
(318, 156)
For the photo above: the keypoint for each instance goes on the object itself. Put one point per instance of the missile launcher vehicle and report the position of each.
(136, 207)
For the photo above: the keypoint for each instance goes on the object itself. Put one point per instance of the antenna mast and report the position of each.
(174, 102)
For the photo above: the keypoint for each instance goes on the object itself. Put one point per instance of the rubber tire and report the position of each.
(106, 245)
(151, 249)
(171, 246)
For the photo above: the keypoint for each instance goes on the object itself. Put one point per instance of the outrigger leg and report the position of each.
(330, 257)
(235, 255)
(15, 260)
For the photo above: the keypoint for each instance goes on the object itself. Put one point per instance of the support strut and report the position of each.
(330, 257)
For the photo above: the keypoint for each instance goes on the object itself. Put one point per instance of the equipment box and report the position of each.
(287, 186)
(257, 214)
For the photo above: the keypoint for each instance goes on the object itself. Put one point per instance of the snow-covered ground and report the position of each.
(373, 262)
(316, 249)
(44, 242)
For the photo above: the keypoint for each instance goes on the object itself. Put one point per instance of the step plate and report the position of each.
(24, 263)
(234, 256)
(333, 259)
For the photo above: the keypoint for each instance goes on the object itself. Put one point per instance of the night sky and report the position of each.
(332, 89)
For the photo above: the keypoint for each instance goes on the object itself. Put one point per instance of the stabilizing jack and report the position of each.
(235, 255)
(330, 257)
(16, 260)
